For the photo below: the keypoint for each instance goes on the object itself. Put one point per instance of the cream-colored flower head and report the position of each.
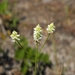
(51, 28)
(15, 36)
(37, 33)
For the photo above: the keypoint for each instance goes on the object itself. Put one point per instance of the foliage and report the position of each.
(29, 57)
(3, 6)
(10, 19)
(14, 21)
(1, 50)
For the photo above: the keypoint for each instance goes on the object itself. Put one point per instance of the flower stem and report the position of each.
(44, 42)
(37, 56)
(19, 43)
(22, 47)
(36, 60)
(55, 51)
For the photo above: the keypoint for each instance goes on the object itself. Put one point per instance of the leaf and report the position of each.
(24, 42)
(44, 58)
(28, 63)
(25, 66)
(3, 6)
(24, 69)
(19, 54)
(14, 21)
(1, 50)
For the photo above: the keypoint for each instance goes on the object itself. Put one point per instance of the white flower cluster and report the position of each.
(37, 33)
(51, 28)
(15, 36)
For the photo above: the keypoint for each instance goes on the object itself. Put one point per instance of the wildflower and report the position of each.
(37, 33)
(15, 36)
(51, 28)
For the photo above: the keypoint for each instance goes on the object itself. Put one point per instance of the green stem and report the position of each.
(36, 60)
(55, 52)
(19, 43)
(37, 56)
(22, 47)
(44, 42)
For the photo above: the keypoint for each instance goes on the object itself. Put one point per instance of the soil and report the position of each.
(43, 12)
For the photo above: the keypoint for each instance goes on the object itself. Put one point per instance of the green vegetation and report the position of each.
(28, 57)
(3, 6)
(10, 19)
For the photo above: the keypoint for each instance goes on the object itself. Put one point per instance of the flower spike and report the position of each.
(37, 33)
(51, 28)
(15, 36)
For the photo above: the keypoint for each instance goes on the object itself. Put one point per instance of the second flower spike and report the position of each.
(37, 33)
(51, 28)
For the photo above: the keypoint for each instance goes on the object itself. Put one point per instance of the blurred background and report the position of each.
(23, 16)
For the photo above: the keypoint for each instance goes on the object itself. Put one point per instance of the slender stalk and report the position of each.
(43, 46)
(44, 42)
(22, 47)
(55, 52)
(36, 60)
(19, 43)
(36, 57)
(59, 69)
